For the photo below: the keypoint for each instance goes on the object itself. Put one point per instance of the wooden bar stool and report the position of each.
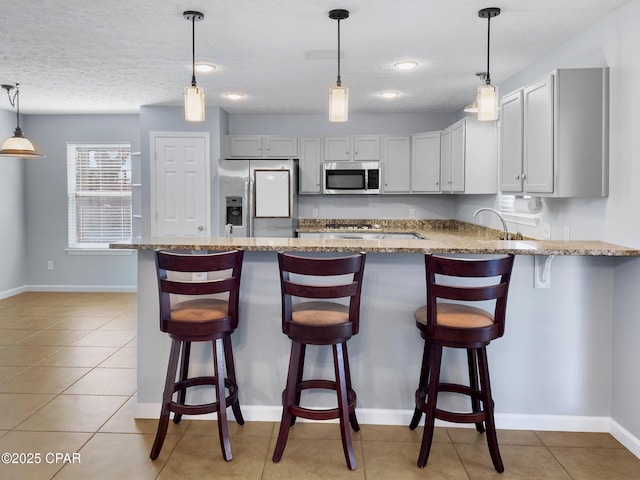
(205, 317)
(460, 325)
(320, 322)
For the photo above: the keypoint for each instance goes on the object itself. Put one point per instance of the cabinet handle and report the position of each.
(437, 183)
(524, 177)
(518, 176)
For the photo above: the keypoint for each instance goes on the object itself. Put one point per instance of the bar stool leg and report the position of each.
(288, 398)
(424, 375)
(231, 375)
(473, 383)
(163, 422)
(299, 374)
(487, 400)
(223, 427)
(435, 360)
(184, 372)
(343, 405)
(353, 420)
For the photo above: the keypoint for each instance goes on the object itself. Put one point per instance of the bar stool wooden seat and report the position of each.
(457, 324)
(204, 317)
(320, 322)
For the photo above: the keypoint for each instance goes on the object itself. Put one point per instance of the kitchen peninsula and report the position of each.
(559, 336)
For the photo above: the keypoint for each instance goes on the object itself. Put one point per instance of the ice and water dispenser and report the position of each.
(234, 211)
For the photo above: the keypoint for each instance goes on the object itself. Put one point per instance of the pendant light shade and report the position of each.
(17, 146)
(194, 106)
(487, 94)
(338, 95)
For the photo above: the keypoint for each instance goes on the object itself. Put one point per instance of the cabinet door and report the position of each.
(538, 136)
(281, 147)
(511, 141)
(396, 161)
(366, 147)
(445, 160)
(244, 146)
(337, 149)
(310, 163)
(425, 163)
(458, 151)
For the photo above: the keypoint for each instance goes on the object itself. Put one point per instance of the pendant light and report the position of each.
(17, 146)
(487, 94)
(338, 95)
(193, 96)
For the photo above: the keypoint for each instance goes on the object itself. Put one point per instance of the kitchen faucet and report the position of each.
(504, 223)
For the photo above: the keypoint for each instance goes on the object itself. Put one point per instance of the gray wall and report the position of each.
(13, 274)
(46, 205)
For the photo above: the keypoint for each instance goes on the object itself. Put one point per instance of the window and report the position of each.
(99, 194)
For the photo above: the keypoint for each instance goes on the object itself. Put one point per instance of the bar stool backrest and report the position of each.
(441, 284)
(226, 267)
(321, 267)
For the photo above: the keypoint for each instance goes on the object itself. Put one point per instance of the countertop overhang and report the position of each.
(438, 243)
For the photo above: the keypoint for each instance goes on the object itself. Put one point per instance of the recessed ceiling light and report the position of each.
(406, 65)
(389, 94)
(205, 67)
(234, 95)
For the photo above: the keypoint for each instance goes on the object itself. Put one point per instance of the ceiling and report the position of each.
(112, 56)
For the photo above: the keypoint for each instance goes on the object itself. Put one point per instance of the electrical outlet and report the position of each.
(412, 213)
(546, 231)
(314, 212)
(50, 265)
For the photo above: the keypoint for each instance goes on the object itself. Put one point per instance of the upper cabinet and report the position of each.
(261, 146)
(352, 148)
(554, 135)
(310, 164)
(396, 164)
(425, 162)
(468, 157)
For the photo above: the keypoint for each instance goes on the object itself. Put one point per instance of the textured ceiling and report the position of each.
(112, 56)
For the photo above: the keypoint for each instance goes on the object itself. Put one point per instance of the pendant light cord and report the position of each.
(488, 77)
(14, 101)
(339, 81)
(193, 51)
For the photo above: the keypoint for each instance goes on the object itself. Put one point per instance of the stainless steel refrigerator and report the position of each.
(258, 198)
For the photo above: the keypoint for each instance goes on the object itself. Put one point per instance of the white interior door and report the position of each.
(180, 194)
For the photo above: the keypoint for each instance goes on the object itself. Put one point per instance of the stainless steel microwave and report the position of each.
(351, 178)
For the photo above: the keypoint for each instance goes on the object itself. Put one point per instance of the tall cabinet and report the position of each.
(554, 135)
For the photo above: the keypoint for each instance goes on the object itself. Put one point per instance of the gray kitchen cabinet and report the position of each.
(468, 157)
(554, 135)
(310, 164)
(425, 162)
(261, 146)
(396, 164)
(352, 148)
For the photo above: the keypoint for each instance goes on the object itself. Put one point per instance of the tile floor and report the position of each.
(67, 386)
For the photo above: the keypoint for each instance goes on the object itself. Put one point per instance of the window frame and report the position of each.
(113, 183)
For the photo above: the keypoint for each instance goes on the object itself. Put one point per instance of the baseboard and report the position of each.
(625, 437)
(374, 416)
(12, 292)
(82, 288)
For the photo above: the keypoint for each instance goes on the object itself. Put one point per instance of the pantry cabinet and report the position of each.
(554, 135)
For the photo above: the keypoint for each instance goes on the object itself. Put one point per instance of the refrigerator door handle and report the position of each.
(248, 207)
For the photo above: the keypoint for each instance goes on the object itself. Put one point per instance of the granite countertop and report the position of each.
(440, 236)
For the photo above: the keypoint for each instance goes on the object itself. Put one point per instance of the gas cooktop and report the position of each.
(351, 226)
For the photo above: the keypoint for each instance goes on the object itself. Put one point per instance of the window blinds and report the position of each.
(99, 194)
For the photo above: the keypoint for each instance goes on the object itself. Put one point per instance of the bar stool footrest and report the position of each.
(199, 409)
(319, 413)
